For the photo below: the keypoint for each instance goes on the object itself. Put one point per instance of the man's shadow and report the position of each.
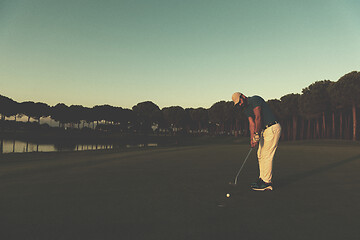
(288, 180)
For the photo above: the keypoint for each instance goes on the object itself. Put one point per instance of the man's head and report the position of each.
(239, 99)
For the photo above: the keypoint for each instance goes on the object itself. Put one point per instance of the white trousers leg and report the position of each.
(267, 147)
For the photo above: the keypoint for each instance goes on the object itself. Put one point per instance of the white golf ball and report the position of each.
(228, 195)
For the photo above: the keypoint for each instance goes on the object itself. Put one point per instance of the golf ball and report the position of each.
(228, 195)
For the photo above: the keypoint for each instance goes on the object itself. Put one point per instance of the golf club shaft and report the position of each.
(237, 175)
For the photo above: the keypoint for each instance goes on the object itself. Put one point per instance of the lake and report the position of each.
(16, 146)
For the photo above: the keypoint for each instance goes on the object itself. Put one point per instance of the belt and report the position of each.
(270, 124)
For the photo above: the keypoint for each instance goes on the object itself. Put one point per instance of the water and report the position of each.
(15, 146)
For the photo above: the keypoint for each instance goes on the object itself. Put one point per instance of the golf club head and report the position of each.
(232, 184)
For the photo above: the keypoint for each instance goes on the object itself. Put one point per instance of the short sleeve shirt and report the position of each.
(267, 116)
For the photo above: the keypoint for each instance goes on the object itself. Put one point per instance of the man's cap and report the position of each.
(236, 98)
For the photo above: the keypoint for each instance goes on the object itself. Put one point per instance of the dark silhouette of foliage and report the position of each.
(8, 107)
(34, 110)
(346, 93)
(147, 114)
(61, 113)
(220, 114)
(306, 115)
(290, 112)
(199, 117)
(175, 117)
(315, 104)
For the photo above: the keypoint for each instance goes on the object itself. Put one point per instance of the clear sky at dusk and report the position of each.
(189, 53)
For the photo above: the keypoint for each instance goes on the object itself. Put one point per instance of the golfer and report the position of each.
(265, 132)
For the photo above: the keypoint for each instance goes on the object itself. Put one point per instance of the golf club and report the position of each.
(237, 175)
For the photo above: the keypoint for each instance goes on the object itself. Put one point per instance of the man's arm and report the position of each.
(257, 112)
(252, 129)
(255, 126)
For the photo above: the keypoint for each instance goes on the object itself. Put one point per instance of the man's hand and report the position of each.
(253, 144)
(255, 139)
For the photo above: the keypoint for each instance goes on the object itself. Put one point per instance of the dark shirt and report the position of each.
(267, 116)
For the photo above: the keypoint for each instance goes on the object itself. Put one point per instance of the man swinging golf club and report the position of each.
(265, 132)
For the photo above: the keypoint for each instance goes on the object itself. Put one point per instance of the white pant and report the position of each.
(267, 146)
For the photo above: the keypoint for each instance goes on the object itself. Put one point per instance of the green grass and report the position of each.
(174, 193)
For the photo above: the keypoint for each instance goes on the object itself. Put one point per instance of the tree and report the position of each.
(221, 113)
(175, 117)
(105, 112)
(41, 110)
(239, 122)
(60, 112)
(315, 103)
(27, 108)
(147, 114)
(127, 119)
(34, 110)
(86, 115)
(346, 92)
(200, 117)
(8, 107)
(336, 107)
(77, 113)
(290, 108)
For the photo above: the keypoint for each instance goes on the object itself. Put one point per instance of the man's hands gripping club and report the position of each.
(255, 140)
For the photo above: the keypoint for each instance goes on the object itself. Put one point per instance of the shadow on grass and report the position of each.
(288, 180)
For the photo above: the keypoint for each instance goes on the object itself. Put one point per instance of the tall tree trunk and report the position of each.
(283, 134)
(236, 128)
(294, 127)
(323, 125)
(333, 125)
(341, 126)
(308, 129)
(354, 121)
(289, 130)
(317, 128)
(314, 129)
(347, 127)
(302, 129)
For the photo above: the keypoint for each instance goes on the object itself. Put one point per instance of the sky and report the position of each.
(188, 53)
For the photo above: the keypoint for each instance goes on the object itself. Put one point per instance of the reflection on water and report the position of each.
(15, 146)
(10, 146)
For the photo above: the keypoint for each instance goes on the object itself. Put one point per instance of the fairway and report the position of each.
(180, 193)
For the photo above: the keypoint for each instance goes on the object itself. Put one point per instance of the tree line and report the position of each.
(324, 109)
